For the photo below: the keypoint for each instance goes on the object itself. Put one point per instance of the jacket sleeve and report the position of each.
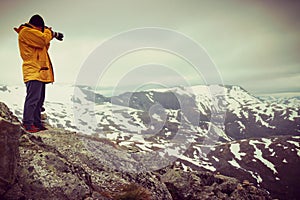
(36, 38)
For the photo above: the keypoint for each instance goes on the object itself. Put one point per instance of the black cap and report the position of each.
(37, 20)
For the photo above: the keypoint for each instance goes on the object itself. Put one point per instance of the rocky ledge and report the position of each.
(57, 164)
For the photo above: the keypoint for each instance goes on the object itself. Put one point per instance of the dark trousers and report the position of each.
(34, 102)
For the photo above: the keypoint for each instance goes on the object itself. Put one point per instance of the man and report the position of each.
(34, 41)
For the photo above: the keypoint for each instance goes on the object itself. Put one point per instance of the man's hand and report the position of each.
(58, 36)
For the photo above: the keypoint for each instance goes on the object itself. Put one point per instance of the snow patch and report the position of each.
(273, 154)
(235, 150)
(259, 155)
(185, 168)
(294, 143)
(234, 163)
(216, 159)
(204, 164)
(256, 176)
(267, 142)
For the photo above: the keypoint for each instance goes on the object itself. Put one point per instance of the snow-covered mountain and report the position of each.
(289, 101)
(231, 114)
(219, 128)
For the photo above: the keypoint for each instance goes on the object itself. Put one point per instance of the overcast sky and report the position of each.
(254, 44)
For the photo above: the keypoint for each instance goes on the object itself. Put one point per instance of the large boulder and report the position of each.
(55, 164)
(10, 132)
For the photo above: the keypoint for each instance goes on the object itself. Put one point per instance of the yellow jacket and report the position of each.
(33, 45)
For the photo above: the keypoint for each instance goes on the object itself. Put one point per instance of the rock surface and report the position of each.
(9, 143)
(58, 164)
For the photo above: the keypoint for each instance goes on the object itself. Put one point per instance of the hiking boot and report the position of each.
(31, 128)
(41, 127)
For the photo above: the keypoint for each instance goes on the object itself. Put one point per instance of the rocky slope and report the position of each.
(272, 163)
(57, 164)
